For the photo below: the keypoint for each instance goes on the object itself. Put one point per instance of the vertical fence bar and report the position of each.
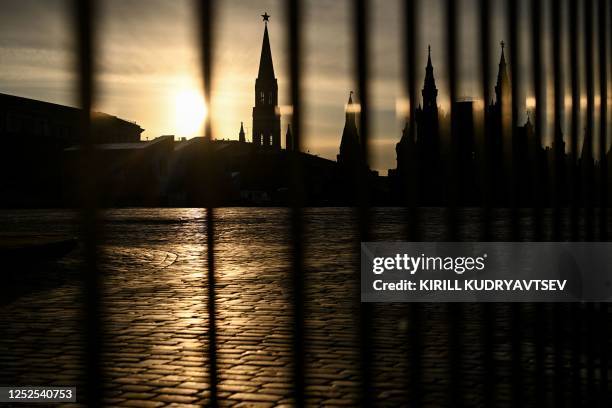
(415, 384)
(361, 8)
(536, 157)
(603, 346)
(558, 147)
(576, 185)
(485, 67)
(587, 149)
(588, 173)
(455, 165)
(411, 181)
(605, 308)
(515, 200)
(488, 309)
(557, 121)
(558, 196)
(576, 189)
(297, 202)
(454, 311)
(206, 8)
(515, 308)
(84, 14)
(539, 309)
(603, 121)
(603, 193)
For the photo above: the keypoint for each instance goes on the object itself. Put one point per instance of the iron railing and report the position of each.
(589, 339)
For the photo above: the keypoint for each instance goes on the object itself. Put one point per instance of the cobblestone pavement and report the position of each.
(155, 320)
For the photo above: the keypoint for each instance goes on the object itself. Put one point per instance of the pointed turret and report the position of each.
(429, 92)
(502, 87)
(350, 150)
(427, 114)
(241, 136)
(502, 144)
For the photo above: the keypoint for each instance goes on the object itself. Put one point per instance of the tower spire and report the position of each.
(350, 112)
(429, 92)
(266, 117)
(266, 67)
(502, 58)
(502, 87)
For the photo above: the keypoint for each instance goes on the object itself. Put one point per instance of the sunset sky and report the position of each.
(148, 63)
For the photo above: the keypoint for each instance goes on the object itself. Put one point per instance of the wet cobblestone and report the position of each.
(155, 322)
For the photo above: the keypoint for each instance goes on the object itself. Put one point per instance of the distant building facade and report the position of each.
(34, 134)
(24, 119)
(134, 173)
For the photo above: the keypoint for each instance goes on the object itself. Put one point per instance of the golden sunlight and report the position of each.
(530, 102)
(190, 113)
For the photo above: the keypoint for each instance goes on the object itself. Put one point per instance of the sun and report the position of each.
(190, 112)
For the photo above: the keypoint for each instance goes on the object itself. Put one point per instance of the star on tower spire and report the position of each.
(266, 17)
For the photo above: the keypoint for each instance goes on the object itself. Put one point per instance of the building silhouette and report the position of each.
(427, 119)
(355, 176)
(500, 159)
(419, 155)
(266, 114)
(34, 134)
(43, 142)
(429, 167)
(499, 132)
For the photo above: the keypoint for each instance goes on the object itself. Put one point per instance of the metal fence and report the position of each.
(589, 337)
